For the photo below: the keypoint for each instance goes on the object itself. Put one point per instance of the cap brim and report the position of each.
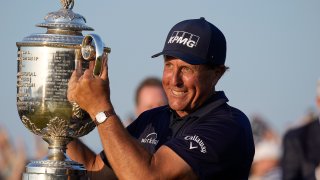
(156, 55)
(191, 59)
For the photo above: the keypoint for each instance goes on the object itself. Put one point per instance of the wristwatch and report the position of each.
(103, 116)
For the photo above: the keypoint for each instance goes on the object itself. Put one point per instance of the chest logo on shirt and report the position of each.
(195, 143)
(150, 139)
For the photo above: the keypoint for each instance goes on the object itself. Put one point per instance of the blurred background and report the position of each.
(273, 53)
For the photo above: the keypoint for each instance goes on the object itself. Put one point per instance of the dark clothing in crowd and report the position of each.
(301, 152)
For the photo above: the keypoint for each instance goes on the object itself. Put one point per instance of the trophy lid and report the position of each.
(64, 28)
(65, 19)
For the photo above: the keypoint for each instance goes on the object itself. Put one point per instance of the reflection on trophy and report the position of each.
(45, 64)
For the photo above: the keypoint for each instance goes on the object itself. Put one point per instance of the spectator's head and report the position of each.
(149, 94)
(267, 149)
(259, 128)
(266, 158)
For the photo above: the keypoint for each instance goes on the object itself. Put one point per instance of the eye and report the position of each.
(168, 65)
(186, 69)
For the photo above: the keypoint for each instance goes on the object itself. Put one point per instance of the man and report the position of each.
(197, 136)
(12, 158)
(149, 94)
(266, 161)
(301, 145)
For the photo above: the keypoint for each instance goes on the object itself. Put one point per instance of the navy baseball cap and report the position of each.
(196, 41)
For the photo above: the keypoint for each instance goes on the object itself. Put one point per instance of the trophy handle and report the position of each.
(92, 49)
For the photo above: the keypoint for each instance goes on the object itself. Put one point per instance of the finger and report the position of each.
(91, 65)
(104, 73)
(78, 59)
(72, 84)
(74, 78)
(88, 74)
(79, 66)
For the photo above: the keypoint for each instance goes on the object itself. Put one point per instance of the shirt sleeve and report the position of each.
(209, 147)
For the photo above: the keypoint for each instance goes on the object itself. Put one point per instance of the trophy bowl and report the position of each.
(45, 64)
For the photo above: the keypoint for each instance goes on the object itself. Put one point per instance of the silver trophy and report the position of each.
(45, 64)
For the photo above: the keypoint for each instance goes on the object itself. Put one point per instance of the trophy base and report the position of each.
(55, 170)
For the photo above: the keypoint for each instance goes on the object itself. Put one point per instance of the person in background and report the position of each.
(149, 94)
(12, 157)
(266, 161)
(41, 148)
(196, 136)
(301, 149)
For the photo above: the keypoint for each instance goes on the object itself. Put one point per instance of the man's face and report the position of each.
(187, 86)
(150, 97)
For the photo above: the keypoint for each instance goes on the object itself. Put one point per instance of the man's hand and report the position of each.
(92, 93)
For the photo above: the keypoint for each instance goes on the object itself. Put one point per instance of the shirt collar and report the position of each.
(197, 113)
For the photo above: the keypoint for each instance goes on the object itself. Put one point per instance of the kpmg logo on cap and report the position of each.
(184, 38)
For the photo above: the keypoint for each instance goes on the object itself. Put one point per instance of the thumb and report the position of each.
(104, 73)
(74, 77)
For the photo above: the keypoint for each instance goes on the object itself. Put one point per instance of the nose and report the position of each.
(176, 78)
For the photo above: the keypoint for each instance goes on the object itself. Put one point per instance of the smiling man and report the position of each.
(196, 136)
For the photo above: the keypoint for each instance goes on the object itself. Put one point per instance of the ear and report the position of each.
(218, 72)
(214, 74)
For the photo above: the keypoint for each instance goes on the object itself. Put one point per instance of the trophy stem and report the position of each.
(56, 165)
(57, 148)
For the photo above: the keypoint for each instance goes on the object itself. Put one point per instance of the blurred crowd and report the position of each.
(295, 155)
(13, 155)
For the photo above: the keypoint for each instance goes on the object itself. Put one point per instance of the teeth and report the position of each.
(177, 93)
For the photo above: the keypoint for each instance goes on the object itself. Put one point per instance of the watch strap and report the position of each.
(107, 115)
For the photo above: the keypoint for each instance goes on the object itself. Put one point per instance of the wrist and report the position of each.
(103, 107)
(103, 116)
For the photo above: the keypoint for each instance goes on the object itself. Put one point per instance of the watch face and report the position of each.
(101, 117)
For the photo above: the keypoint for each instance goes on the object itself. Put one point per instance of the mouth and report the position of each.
(178, 93)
